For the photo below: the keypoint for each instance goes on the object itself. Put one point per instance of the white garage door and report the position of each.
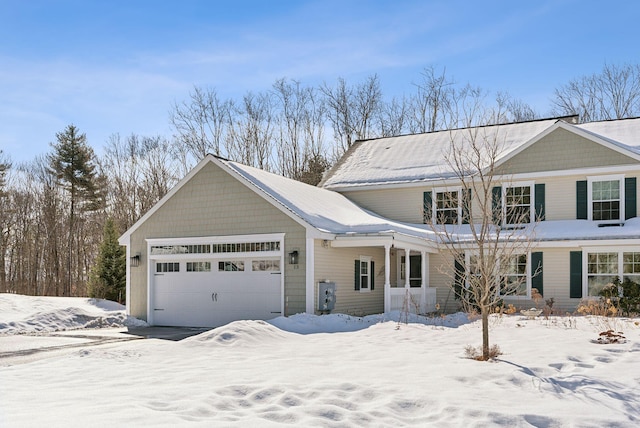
(209, 285)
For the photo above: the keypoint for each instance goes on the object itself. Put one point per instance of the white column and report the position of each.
(423, 284)
(387, 274)
(407, 269)
(310, 278)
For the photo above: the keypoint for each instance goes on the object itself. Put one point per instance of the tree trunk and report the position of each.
(485, 333)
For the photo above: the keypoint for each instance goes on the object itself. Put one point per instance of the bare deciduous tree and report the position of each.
(201, 122)
(491, 249)
(392, 117)
(431, 104)
(352, 111)
(249, 140)
(612, 94)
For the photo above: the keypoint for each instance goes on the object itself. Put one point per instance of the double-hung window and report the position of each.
(604, 267)
(514, 283)
(518, 204)
(447, 207)
(606, 201)
(364, 274)
(511, 275)
(517, 201)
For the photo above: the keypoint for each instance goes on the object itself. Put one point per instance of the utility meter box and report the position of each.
(326, 296)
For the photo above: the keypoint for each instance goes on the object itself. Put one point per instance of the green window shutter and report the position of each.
(536, 272)
(427, 207)
(496, 205)
(575, 274)
(372, 274)
(539, 202)
(466, 205)
(582, 209)
(357, 274)
(630, 209)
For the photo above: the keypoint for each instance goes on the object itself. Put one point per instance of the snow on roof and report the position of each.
(561, 230)
(624, 132)
(421, 157)
(331, 212)
(323, 209)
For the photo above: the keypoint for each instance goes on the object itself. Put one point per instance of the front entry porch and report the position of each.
(411, 293)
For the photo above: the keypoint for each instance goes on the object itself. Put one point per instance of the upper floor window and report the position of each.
(447, 206)
(606, 202)
(518, 204)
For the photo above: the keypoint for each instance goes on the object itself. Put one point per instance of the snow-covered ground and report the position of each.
(331, 370)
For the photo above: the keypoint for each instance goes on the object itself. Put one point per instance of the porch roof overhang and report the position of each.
(384, 239)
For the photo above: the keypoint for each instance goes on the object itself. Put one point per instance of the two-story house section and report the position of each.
(233, 242)
(577, 184)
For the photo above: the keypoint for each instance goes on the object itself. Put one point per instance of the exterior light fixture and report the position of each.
(134, 261)
(293, 257)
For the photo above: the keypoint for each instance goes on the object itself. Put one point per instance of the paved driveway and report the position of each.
(25, 348)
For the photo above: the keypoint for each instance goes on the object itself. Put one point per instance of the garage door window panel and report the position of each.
(166, 267)
(246, 247)
(198, 266)
(231, 266)
(181, 249)
(265, 265)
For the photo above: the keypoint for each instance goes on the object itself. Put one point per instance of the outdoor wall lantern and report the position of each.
(293, 257)
(134, 261)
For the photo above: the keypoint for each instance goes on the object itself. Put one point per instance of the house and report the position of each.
(233, 242)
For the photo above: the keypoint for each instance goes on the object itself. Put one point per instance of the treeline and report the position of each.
(53, 210)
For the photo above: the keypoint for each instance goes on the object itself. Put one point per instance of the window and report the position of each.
(181, 249)
(167, 267)
(512, 277)
(447, 207)
(631, 266)
(518, 204)
(604, 267)
(265, 265)
(247, 247)
(198, 266)
(515, 276)
(605, 196)
(235, 266)
(606, 200)
(363, 271)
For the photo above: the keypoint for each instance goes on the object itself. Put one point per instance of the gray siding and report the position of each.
(213, 203)
(559, 151)
(337, 265)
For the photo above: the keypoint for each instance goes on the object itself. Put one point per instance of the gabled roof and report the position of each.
(313, 207)
(421, 158)
(322, 209)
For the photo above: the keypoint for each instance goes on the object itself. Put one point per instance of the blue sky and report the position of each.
(118, 66)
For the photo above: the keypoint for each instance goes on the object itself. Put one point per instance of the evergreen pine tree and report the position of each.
(72, 163)
(108, 275)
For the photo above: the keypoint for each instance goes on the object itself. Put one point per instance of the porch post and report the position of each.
(423, 281)
(387, 274)
(407, 269)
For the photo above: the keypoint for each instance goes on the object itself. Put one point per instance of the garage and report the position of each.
(209, 282)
